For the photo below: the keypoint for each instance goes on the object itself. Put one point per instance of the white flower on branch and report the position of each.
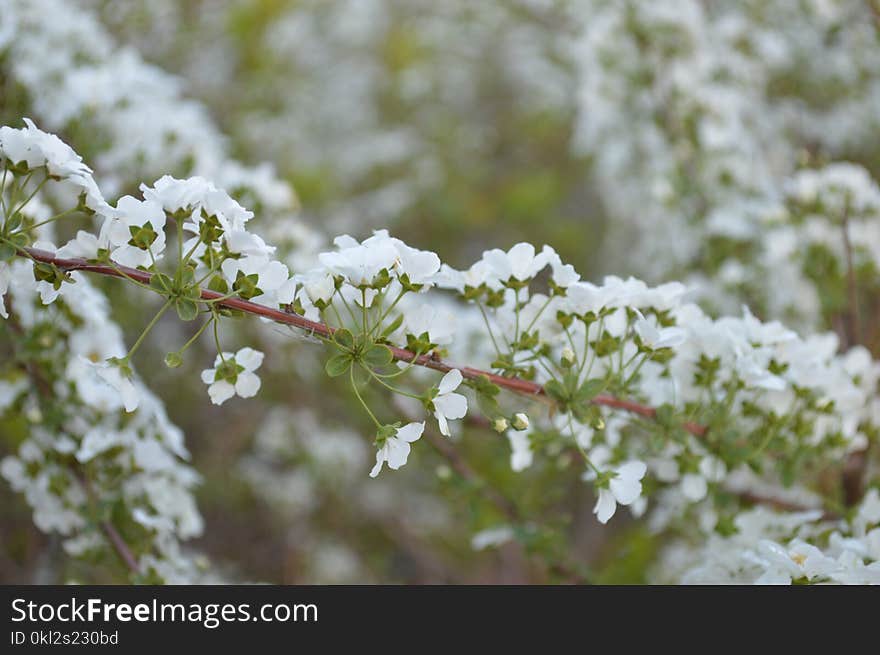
(257, 279)
(394, 445)
(658, 337)
(35, 148)
(519, 263)
(623, 487)
(447, 404)
(135, 232)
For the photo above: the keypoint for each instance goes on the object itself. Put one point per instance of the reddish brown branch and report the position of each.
(517, 385)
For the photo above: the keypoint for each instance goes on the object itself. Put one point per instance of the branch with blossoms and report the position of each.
(289, 317)
(647, 389)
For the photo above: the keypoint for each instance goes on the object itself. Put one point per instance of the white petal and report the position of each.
(378, 467)
(450, 381)
(249, 358)
(453, 405)
(634, 470)
(521, 257)
(247, 385)
(626, 490)
(130, 396)
(273, 275)
(410, 432)
(397, 452)
(220, 392)
(605, 506)
(208, 375)
(442, 423)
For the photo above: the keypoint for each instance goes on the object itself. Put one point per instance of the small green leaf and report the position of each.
(488, 405)
(218, 284)
(396, 323)
(187, 310)
(7, 251)
(344, 338)
(13, 223)
(160, 282)
(590, 389)
(338, 364)
(556, 390)
(378, 355)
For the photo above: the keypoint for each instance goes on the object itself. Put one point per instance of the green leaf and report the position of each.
(218, 284)
(160, 282)
(556, 390)
(483, 385)
(396, 323)
(187, 310)
(488, 405)
(590, 389)
(13, 223)
(338, 364)
(344, 338)
(7, 251)
(378, 355)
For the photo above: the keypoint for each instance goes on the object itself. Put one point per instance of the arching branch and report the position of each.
(517, 385)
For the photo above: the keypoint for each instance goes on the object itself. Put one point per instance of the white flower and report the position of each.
(449, 405)
(47, 290)
(84, 244)
(318, 285)
(395, 449)
(37, 148)
(233, 374)
(657, 337)
(103, 385)
(419, 266)
(438, 322)
(359, 264)
(564, 275)
(135, 230)
(243, 242)
(520, 262)
(624, 488)
(256, 279)
(196, 194)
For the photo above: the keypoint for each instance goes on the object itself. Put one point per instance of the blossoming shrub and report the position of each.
(744, 450)
(622, 373)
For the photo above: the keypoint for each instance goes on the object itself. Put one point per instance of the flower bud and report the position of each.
(520, 421)
(500, 424)
(568, 357)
